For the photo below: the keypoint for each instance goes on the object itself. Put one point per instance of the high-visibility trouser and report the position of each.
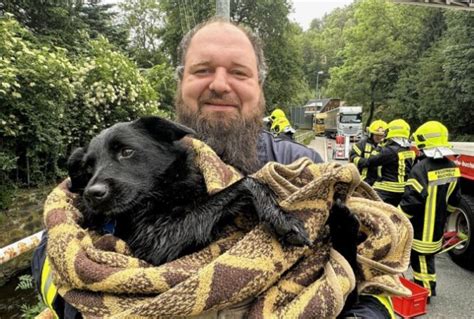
(386, 301)
(48, 289)
(424, 271)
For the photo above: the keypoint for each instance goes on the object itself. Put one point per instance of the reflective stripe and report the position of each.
(356, 160)
(402, 156)
(357, 149)
(427, 247)
(368, 149)
(48, 289)
(415, 184)
(393, 187)
(387, 303)
(365, 171)
(451, 209)
(430, 214)
(451, 188)
(424, 269)
(446, 173)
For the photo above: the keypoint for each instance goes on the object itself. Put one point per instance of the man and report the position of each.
(278, 124)
(395, 159)
(431, 192)
(367, 147)
(220, 96)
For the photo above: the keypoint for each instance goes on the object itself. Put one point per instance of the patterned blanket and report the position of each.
(99, 276)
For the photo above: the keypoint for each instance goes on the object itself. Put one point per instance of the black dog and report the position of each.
(139, 176)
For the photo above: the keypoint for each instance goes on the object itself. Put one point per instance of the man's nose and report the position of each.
(220, 82)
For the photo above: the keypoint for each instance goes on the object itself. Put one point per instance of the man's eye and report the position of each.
(239, 73)
(202, 71)
(126, 152)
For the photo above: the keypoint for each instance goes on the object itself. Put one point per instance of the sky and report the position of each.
(306, 10)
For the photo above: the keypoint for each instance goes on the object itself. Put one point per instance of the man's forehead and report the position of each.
(225, 36)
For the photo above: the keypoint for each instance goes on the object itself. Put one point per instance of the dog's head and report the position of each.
(121, 167)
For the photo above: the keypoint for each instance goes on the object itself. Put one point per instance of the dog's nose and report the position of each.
(96, 192)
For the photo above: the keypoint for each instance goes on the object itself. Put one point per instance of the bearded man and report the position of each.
(220, 95)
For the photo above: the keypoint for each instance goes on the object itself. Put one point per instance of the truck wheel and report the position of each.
(463, 221)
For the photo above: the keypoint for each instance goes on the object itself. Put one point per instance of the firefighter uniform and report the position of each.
(393, 162)
(431, 192)
(367, 147)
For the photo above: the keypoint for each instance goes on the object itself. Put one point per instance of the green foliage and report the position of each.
(29, 311)
(378, 46)
(68, 24)
(108, 89)
(25, 282)
(51, 102)
(35, 89)
(162, 79)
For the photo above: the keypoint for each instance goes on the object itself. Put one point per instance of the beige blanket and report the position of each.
(99, 276)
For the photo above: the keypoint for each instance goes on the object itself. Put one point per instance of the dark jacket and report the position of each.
(431, 192)
(284, 151)
(396, 162)
(365, 148)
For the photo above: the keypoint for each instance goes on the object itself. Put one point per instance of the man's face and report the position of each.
(377, 138)
(219, 95)
(220, 79)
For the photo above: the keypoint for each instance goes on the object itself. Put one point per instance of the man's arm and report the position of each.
(357, 153)
(386, 155)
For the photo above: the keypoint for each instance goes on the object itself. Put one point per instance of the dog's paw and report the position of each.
(343, 224)
(290, 230)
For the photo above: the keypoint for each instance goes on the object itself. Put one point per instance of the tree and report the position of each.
(382, 42)
(65, 23)
(440, 83)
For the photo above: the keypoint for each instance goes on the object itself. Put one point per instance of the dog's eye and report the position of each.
(126, 152)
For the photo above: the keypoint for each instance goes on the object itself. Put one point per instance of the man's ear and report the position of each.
(161, 129)
(76, 170)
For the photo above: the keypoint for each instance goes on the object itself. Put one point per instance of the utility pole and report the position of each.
(223, 9)
(317, 84)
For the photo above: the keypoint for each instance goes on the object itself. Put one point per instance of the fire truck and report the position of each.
(460, 224)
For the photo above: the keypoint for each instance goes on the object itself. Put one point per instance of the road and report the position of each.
(455, 285)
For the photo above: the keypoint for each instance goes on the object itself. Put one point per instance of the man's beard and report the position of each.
(232, 136)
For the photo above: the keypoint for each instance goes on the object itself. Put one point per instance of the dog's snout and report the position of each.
(97, 192)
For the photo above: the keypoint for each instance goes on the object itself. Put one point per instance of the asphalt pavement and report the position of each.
(455, 285)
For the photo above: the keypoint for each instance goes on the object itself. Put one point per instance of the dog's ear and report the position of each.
(161, 129)
(76, 170)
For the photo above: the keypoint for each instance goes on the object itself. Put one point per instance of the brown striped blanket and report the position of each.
(99, 276)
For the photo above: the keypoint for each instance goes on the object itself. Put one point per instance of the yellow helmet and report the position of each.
(431, 134)
(280, 124)
(377, 127)
(398, 128)
(277, 113)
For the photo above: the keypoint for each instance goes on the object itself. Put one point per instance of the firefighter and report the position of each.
(268, 120)
(281, 127)
(367, 147)
(432, 191)
(395, 160)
